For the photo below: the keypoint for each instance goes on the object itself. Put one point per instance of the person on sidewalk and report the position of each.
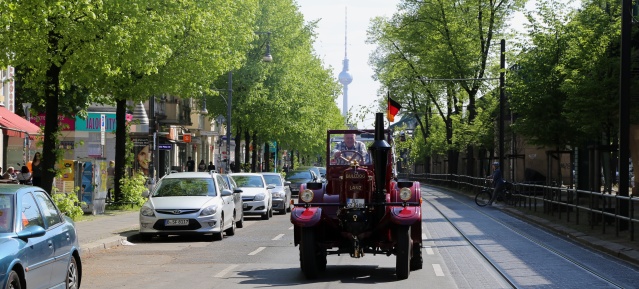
(201, 167)
(190, 165)
(211, 166)
(498, 182)
(36, 170)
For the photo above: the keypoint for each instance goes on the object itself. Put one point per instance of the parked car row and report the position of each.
(212, 204)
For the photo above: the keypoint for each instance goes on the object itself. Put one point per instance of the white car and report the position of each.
(281, 193)
(188, 203)
(256, 194)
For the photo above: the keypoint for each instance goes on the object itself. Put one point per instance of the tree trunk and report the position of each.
(238, 150)
(247, 148)
(50, 143)
(120, 148)
(254, 156)
(267, 157)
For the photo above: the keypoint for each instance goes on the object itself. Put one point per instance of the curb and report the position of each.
(106, 243)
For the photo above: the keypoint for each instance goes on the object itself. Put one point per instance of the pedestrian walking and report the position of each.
(190, 165)
(201, 167)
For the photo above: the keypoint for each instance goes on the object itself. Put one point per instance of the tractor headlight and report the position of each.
(307, 196)
(405, 194)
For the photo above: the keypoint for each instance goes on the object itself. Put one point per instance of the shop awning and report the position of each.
(16, 126)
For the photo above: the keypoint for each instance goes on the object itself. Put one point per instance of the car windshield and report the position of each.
(273, 179)
(6, 213)
(185, 187)
(299, 175)
(248, 181)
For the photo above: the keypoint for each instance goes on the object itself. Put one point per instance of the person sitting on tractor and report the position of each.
(350, 149)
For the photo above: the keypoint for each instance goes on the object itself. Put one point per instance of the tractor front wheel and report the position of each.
(403, 250)
(308, 254)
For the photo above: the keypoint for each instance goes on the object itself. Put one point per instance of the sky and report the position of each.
(329, 45)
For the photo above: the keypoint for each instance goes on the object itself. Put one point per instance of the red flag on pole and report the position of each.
(393, 109)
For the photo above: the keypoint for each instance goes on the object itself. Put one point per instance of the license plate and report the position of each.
(177, 222)
(245, 205)
(355, 203)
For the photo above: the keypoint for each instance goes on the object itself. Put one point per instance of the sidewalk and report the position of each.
(106, 231)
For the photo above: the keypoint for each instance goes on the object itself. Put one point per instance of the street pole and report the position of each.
(228, 123)
(502, 100)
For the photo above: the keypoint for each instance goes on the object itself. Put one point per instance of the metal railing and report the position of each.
(598, 209)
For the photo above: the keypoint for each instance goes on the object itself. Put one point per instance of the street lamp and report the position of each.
(27, 150)
(267, 58)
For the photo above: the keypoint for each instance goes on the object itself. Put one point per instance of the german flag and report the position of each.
(393, 109)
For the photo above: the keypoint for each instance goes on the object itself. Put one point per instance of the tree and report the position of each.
(445, 40)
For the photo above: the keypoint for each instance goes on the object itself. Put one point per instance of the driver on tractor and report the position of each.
(349, 150)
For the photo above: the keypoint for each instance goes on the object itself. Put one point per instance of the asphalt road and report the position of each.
(464, 247)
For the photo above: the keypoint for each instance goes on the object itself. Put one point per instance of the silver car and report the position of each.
(188, 203)
(237, 198)
(281, 193)
(256, 194)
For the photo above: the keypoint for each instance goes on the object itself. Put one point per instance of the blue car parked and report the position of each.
(38, 245)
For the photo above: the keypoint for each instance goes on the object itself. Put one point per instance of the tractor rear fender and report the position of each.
(306, 217)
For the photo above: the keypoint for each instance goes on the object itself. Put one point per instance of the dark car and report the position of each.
(237, 197)
(38, 245)
(316, 170)
(300, 176)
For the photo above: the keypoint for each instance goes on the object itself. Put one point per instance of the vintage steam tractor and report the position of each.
(361, 208)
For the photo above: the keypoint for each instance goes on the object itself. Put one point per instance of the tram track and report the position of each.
(516, 231)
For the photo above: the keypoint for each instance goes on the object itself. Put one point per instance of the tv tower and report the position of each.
(345, 77)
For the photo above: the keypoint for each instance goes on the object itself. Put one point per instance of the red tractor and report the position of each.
(361, 208)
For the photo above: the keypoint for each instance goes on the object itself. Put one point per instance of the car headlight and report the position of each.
(405, 194)
(210, 210)
(307, 196)
(278, 195)
(147, 211)
(259, 197)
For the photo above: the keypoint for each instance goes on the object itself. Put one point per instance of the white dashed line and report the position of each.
(423, 236)
(438, 270)
(223, 272)
(277, 237)
(291, 228)
(257, 251)
(429, 250)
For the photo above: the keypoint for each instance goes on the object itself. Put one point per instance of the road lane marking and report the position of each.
(438, 270)
(429, 250)
(424, 237)
(291, 227)
(257, 251)
(277, 237)
(223, 272)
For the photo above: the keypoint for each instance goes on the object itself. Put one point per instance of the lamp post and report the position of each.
(27, 150)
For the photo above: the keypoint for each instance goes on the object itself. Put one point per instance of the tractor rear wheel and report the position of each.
(308, 254)
(403, 250)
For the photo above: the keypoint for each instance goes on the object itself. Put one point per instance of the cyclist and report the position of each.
(498, 182)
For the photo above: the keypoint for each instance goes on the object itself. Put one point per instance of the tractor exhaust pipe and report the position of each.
(380, 149)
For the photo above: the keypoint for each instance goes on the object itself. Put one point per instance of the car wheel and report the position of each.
(218, 236)
(13, 282)
(73, 275)
(288, 208)
(266, 215)
(270, 211)
(231, 231)
(240, 223)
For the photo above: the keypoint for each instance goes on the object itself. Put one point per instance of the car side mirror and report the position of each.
(287, 183)
(226, 193)
(270, 186)
(237, 191)
(146, 193)
(31, 232)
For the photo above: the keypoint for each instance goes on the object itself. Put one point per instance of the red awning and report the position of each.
(16, 126)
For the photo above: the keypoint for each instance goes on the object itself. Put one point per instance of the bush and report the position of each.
(68, 204)
(132, 189)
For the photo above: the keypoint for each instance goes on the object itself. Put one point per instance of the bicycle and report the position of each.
(506, 196)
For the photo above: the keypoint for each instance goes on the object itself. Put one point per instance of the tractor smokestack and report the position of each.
(380, 149)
